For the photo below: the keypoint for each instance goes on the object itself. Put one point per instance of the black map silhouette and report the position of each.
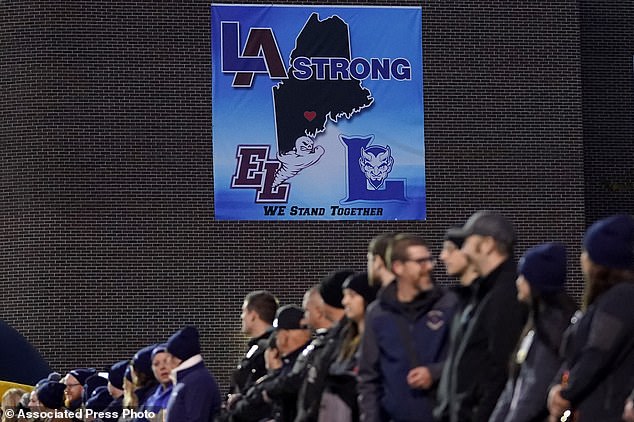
(302, 107)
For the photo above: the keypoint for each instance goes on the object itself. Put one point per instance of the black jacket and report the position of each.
(284, 388)
(251, 367)
(314, 382)
(526, 392)
(599, 353)
(484, 335)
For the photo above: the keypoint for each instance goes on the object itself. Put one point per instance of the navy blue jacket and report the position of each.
(599, 353)
(385, 359)
(195, 396)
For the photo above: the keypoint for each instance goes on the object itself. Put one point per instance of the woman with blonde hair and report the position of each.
(11, 400)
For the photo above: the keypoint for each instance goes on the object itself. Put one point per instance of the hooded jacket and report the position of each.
(398, 337)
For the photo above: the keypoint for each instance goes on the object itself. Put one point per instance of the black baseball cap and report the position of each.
(486, 223)
(288, 317)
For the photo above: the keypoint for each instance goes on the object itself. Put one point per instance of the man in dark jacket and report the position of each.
(195, 396)
(258, 312)
(292, 340)
(490, 324)
(404, 343)
(324, 349)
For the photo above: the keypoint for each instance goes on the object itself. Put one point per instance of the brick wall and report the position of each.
(607, 60)
(107, 239)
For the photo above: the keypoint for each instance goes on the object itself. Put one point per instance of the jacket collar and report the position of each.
(255, 340)
(186, 364)
(417, 307)
(485, 284)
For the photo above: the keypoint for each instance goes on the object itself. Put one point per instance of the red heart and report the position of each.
(310, 115)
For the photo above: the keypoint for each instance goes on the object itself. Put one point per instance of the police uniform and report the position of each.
(251, 367)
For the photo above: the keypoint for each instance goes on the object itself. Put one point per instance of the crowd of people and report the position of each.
(505, 344)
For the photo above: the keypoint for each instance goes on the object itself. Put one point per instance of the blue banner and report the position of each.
(317, 113)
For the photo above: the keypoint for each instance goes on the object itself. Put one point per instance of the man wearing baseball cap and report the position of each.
(490, 324)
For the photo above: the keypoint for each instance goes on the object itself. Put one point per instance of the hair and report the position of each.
(397, 249)
(379, 244)
(350, 341)
(11, 400)
(540, 301)
(143, 380)
(263, 303)
(600, 279)
(130, 400)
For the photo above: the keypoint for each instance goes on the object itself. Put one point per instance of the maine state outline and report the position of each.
(303, 106)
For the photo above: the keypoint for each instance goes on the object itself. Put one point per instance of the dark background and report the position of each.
(107, 236)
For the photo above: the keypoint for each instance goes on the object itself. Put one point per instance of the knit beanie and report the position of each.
(184, 343)
(544, 267)
(610, 242)
(360, 284)
(51, 394)
(330, 288)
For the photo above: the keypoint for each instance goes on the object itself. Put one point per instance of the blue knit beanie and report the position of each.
(142, 361)
(610, 242)
(185, 343)
(544, 267)
(51, 394)
(116, 373)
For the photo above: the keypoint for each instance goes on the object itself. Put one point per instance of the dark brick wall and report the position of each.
(607, 60)
(107, 238)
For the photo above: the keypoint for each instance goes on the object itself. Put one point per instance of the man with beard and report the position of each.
(490, 323)
(378, 272)
(74, 390)
(404, 344)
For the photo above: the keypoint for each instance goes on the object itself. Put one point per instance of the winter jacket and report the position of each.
(252, 367)
(283, 389)
(599, 354)
(157, 401)
(397, 338)
(339, 400)
(525, 395)
(195, 395)
(314, 383)
(484, 335)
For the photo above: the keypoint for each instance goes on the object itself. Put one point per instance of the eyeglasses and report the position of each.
(424, 260)
(72, 385)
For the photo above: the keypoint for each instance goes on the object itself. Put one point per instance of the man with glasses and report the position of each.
(74, 382)
(404, 343)
(489, 324)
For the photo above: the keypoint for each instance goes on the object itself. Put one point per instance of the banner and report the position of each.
(317, 113)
